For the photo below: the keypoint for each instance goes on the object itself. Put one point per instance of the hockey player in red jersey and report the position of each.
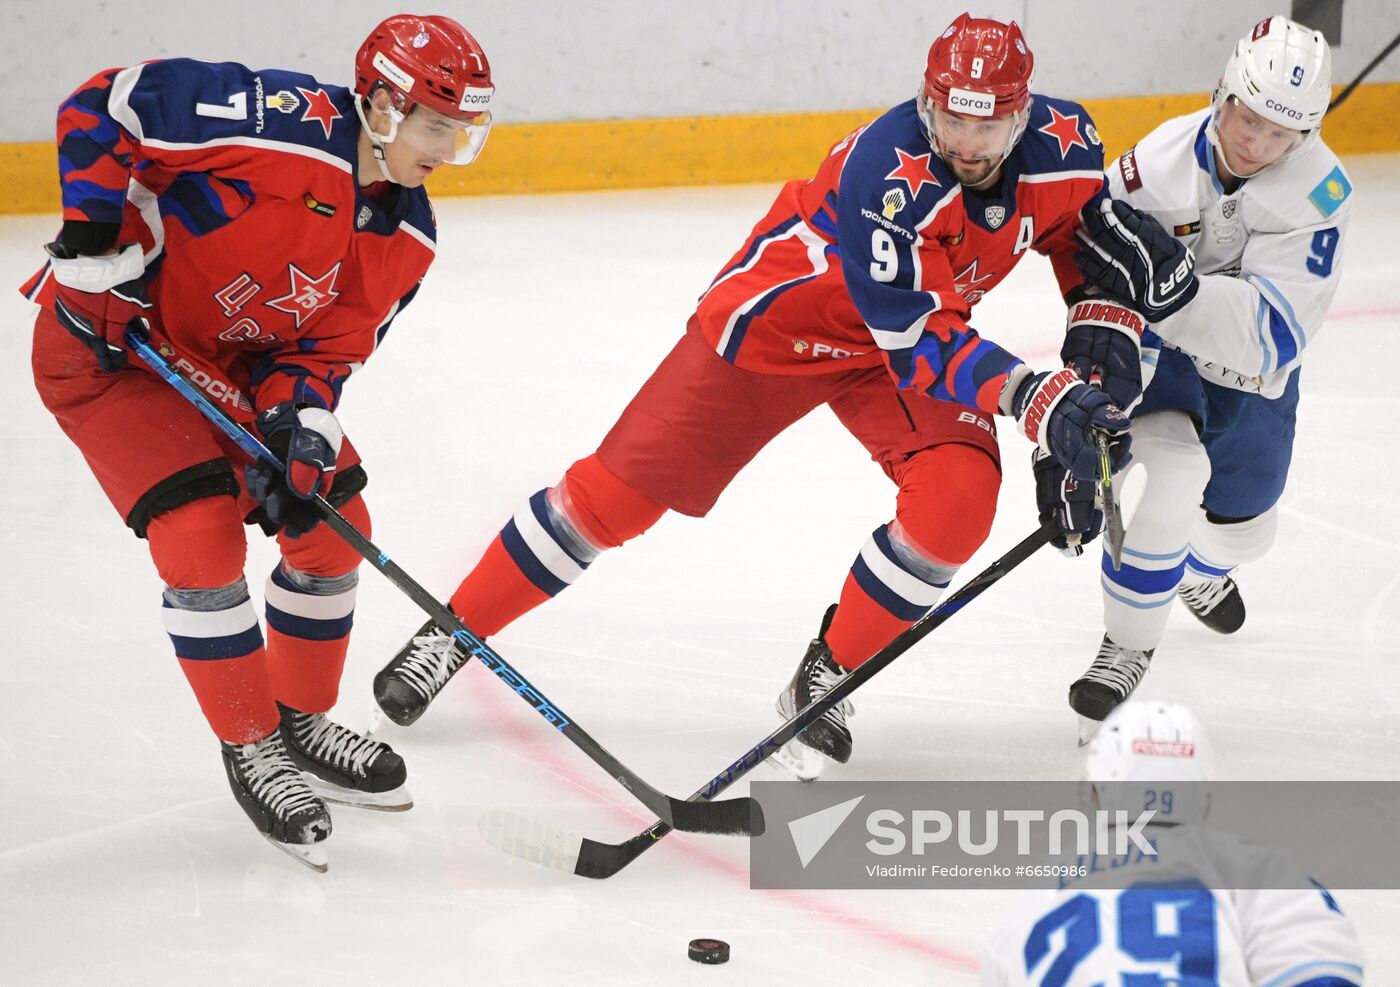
(265, 229)
(854, 291)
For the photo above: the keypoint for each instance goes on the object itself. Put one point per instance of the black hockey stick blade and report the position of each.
(584, 857)
(732, 817)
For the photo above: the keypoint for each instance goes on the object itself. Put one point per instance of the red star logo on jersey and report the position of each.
(320, 109)
(1064, 129)
(308, 295)
(913, 172)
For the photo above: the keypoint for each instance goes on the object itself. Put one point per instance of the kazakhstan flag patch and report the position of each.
(1331, 192)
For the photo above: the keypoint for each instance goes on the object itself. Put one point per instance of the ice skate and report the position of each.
(1110, 680)
(276, 797)
(1216, 603)
(828, 738)
(413, 678)
(342, 766)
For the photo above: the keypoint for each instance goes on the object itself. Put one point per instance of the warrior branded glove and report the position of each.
(308, 441)
(95, 298)
(1132, 259)
(1103, 344)
(1069, 502)
(1061, 414)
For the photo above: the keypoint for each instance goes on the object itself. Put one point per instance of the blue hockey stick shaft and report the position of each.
(739, 817)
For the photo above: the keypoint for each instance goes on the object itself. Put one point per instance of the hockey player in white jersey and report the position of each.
(1226, 232)
(1172, 926)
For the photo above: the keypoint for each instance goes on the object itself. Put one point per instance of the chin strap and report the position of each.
(376, 141)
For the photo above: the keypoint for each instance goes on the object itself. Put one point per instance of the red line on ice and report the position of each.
(495, 703)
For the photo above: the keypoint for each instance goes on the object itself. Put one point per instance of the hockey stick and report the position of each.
(550, 847)
(737, 817)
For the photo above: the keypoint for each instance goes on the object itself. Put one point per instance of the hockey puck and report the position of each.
(709, 951)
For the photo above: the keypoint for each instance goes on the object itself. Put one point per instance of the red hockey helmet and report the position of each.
(980, 68)
(975, 99)
(432, 62)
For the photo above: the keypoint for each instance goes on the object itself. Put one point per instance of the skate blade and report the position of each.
(395, 800)
(313, 855)
(378, 723)
(1088, 729)
(800, 761)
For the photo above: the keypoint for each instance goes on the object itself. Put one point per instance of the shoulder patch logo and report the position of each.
(1065, 130)
(893, 202)
(1331, 192)
(1128, 167)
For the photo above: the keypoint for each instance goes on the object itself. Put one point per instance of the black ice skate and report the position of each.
(276, 797)
(828, 738)
(1216, 603)
(413, 678)
(343, 766)
(1110, 680)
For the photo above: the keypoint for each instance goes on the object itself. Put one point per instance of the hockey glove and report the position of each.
(95, 298)
(1069, 502)
(1132, 259)
(1103, 344)
(1060, 414)
(308, 441)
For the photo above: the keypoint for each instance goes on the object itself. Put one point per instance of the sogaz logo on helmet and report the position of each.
(1287, 111)
(478, 99)
(971, 103)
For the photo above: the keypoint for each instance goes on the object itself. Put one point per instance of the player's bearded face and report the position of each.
(973, 147)
(1251, 143)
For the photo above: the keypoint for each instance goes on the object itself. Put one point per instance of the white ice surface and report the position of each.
(123, 858)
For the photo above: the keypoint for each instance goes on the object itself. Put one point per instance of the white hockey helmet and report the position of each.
(1141, 756)
(1282, 71)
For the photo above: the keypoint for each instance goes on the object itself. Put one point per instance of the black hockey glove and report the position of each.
(308, 441)
(1132, 259)
(1069, 502)
(1103, 344)
(1061, 415)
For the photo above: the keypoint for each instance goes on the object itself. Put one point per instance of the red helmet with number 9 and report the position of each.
(432, 62)
(978, 69)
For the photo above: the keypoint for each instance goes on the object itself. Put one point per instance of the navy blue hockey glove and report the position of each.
(95, 298)
(308, 441)
(1132, 259)
(1103, 344)
(1069, 502)
(1061, 414)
